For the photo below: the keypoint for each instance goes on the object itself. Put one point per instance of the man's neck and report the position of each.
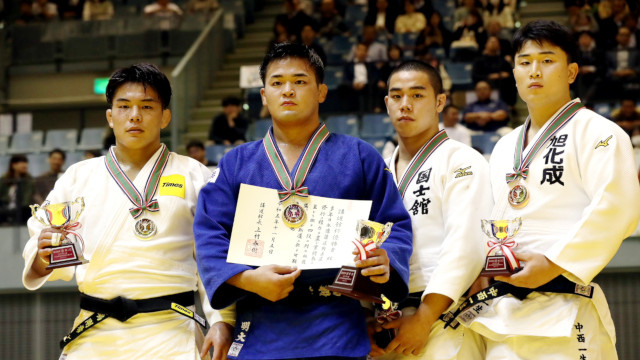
(541, 114)
(292, 138)
(132, 161)
(409, 147)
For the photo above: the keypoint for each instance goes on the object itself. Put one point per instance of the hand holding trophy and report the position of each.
(349, 281)
(66, 250)
(500, 258)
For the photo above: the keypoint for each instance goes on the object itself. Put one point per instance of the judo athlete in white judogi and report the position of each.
(577, 196)
(153, 260)
(445, 188)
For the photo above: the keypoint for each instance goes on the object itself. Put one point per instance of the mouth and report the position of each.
(535, 85)
(288, 103)
(135, 130)
(405, 118)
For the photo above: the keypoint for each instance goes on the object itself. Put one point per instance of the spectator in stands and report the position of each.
(201, 6)
(44, 183)
(434, 35)
(395, 58)
(450, 124)
(97, 10)
(493, 28)
(376, 51)
(166, 15)
(427, 57)
(623, 64)
(361, 78)
(25, 13)
(331, 23)
(460, 14)
(591, 67)
(70, 9)
(16, 191)
(411, 21)
(90, 154)
(382, 15)
(611, 14)
(229, 128)
(493, 68)
(308, 38)
(485, 114)
(44, 10)
(499, 11)
(628, 116)
(631, 22)
(280, 32)
(296, 18)
(583, 21)
(196, 150)
(470, 35)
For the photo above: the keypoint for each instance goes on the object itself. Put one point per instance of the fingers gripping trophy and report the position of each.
(67, 249)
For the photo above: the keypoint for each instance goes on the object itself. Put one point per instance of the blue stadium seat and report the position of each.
(38, 164)
(485, 141)
(73, 157)
(91, 138)
(405, 40)
(376, 125)
(22, 143)
(378, 142)
(4, 163)
(343, 124)
(333, 76)
(342, 44)
(460, 74)
(259, 128)
(603, 109)
(4, 146)
(63, 139)
(216, 152)
(355, 13)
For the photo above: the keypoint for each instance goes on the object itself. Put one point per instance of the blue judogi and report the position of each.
(305, 324)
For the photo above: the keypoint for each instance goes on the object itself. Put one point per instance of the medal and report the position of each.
(144, 228)
(294, 215)
(419, 159)
(518, 194)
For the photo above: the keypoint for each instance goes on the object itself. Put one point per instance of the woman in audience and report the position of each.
(16, 191)
(497, 9)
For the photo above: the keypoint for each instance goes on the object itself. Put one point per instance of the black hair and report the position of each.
(546, 31)
(231, 100)
(15, 159)
(415, 65)
(145, 74)
(292, 50)
(58, 151)
(195, 143)
(449, 106)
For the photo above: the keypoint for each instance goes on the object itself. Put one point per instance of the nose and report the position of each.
(405, 105)
(535, 71)
(288, 91)
(135, 114)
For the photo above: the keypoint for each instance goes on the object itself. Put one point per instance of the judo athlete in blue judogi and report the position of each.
(283, 312)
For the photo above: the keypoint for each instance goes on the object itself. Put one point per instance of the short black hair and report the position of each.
(58, 151)
(145, 74)
(231, 100)
(546, 31)
(416, 65)
(195, 143)
(293, 50)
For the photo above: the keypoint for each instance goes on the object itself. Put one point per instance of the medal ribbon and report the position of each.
(294, 188)
(420, 158)
(140, 203)
(505, 246)
(520, 163)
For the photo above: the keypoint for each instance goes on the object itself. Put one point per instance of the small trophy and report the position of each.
(349, 281)
(66, 250)
(500, 258)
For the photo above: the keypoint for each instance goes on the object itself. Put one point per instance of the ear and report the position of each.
(166, 118)
(386, 103)
(441, 101)
(264, 98)
(109, 120)
(323, 90)
(573, 72)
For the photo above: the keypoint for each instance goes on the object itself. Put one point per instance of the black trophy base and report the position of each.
(497, 265)
(63, 256)
(350, 282)
(62, 264)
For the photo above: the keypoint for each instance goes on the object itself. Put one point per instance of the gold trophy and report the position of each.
(349, 281)
(500, 257)
(66, 250)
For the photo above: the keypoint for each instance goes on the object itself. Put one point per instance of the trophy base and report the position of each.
(497, 265)
(350, 282)
(63, 256)
(66, 263)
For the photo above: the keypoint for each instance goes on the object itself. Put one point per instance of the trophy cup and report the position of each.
(66, 251)
(349, 281)
(500, 258)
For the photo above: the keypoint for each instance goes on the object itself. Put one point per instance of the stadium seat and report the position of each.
(63, 139)
(405, 40)
(460, 74)
(355, 13)
(603, 109)
(343, 124)
(259, 129)
(376, 125)
(378, 142)
(38, 164)
(22, 143)
(216, 152)
(333, 76)
(73, 157)
(4, 145)
(91, 138)
(83, 48)
(4, 163)
(485, 141)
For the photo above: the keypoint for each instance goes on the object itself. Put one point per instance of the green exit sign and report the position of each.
(100, 85)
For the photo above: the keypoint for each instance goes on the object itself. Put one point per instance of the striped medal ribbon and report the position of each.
(144, 228)
(294, 214)
(419, 160)
(519, 195)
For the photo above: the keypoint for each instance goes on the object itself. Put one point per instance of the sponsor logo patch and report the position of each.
(172, 185)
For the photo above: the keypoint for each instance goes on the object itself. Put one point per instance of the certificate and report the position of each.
(260, 237)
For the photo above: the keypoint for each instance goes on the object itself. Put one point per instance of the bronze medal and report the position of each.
(518, 196)
(294, 215)
(145, 228)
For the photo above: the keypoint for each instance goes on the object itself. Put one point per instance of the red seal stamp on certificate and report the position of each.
(254, 248)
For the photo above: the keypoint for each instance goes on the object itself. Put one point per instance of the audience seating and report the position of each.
(38, 164)
(376, 125)
(63, 139)
(259, 129)
(216, 152)
(22, 143)
(91, 138)
(484, 142)
(343, 124)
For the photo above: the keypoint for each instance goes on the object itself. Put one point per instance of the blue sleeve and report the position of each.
(212, 226)
(386, 207)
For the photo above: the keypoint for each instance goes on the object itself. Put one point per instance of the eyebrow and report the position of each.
(295, 75)
(144, 100)
(548, 52)
(419, 87)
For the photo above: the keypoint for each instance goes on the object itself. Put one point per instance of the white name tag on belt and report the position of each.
(260, 235)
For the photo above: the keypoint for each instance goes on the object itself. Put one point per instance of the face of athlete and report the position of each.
(291, 92)
(137, 117)
(413, 105)
(543, 74)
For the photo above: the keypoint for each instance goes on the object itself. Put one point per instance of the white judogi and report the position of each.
(123, 265)
(584, 198)
(447, 238)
